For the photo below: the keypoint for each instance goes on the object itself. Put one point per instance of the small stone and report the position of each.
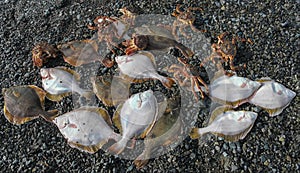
(266, 163)
(288, 158)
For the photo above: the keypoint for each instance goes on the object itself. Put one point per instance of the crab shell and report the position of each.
(42, 52)
(233, 90)
(272, 96)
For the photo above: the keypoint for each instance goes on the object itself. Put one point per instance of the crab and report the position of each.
(110, 28)
(184, 19)
(129, 14)
(188, 76)
(225, 50)
(154, 42)
(41, 52)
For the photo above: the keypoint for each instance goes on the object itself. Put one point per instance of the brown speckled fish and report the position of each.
(25, 103)
(111, 90)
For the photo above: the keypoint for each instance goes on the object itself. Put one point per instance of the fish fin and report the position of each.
(274, 112)
(90, 149)
(142, 159)
(103, 113)
(234, 138)
(50, 115)
(264, 79)
(88, 94)
(168, 83)
(118, 147)
(15, 119)
(40, 92)
(218, 111)
(74, 73)
(150, 56)
(57, 97)
(116, 118)
(194, 134)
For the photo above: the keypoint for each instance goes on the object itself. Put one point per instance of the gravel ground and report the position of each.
(271, 146)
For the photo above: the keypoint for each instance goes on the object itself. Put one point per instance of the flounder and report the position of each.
(60, 82)
(111, 90)
(80, 52)
(272, 96)
(86, 128)
(165, 131)
(135, 117)
(232, 90)
(25, 103)
(226, 123)
(141, 66)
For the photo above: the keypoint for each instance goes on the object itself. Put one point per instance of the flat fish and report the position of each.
(111, 90)
(272, 96)
(136, 117)
(77, 53)
(226, 123)
(140, 66)
(86, 128)
(233, 90)
(60, 82)
(25, 103)
(166, 130)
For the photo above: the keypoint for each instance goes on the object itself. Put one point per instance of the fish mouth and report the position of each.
(44, 73)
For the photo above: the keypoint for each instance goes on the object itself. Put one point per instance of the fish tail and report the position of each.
(168, 82)
(118, 147)
(50, 115)
(195, 133)
(88, 94)
(141, 160)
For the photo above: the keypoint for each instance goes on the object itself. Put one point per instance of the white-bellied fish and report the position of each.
(86, 128)
(272, 96)
(233, 90)
(141, 66)
(59, 82)
(226, 123)
(135, 117)
(25, 103)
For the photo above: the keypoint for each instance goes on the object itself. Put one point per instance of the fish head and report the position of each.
(138, 101)
(282, 90)
(61, 122)
(123, 59)
(45, 73)
(244, 82)
(244, 116)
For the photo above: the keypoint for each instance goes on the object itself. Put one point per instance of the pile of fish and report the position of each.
(139, 115)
